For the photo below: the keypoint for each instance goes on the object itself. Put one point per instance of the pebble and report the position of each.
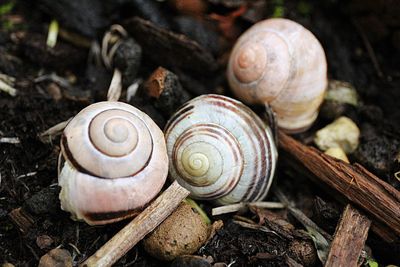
(56, 258)
(343, 133)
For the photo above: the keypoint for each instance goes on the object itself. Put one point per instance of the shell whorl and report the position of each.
(220, 150)
(280, 63)
(114, 162)
(108, 140)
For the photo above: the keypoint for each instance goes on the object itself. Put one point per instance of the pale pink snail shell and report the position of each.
(114, 162)
(280, 63)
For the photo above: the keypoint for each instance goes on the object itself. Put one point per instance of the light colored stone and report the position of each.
(343, 133)
(56, 258)
(338, 153)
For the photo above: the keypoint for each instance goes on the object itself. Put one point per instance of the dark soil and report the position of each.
(28, 169)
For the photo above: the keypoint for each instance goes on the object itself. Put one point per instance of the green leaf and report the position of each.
(372, 263)
(279, 9)
(6, 8)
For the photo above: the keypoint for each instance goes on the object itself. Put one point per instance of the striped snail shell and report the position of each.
(280, 63)
(220, 150)
(113, 162)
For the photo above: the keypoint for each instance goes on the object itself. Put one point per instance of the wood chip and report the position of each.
(22, 219)
(350, 237)
(170, 49)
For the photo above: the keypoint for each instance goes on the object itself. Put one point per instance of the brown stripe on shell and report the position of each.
(260, 182)
(67, 155)
(262, 171)
(174, 119)
(107, 216)
(115, 215)
(105, 152)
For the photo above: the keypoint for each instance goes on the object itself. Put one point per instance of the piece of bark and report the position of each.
(151, 10)
(170, 49)
(139, 227)
(350, 236)
(22, 219)
(354, 182)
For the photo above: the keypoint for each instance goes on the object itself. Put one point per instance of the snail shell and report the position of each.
(114, 163)
(220, 150)
(280, 63)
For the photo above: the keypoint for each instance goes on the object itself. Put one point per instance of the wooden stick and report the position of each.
(139, 227)
(239, 206)
(354, 182)
(350, 236)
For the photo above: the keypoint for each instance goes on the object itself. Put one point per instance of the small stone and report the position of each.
(342, 133)
(164, 88)
(44, 241)
(127, 59)
(338, 153)
(341, 99)
(341, 92)
(56, 258)
(54, 91)
(182, 233)
(303, 251)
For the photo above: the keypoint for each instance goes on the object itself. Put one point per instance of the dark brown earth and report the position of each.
(28, 169)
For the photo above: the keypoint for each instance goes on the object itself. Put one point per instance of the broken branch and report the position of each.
(350, 236)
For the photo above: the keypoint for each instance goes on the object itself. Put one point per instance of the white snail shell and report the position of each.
(280, 63)
(115, 163)
(220, 150)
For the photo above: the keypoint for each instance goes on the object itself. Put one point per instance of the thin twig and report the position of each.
(241, 206)
(112, 39)
(256, 227)
(10, 140)
(29, 174)
(114, 91)
(7, 88)
(54, 78)
(369, 48)
(53, 131)
(300, 216)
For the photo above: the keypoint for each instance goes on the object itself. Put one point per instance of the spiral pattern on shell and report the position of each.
(280, 63)
(220, 150)
(115, 162)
